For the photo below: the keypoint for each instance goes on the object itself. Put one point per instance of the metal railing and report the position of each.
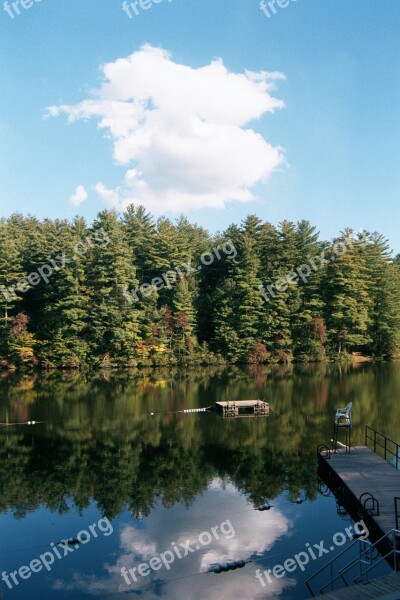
(388, 446)
(367, 498)
(394, 551)
(366, 558)
(323, 451)
(330, 565)
(397, 511)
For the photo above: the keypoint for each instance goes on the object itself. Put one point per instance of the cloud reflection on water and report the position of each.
(255, 534)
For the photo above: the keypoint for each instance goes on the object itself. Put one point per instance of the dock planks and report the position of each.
(383, 588)
(349, 475)
(361, 471)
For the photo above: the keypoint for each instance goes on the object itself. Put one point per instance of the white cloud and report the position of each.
(182, 131)
(79, 196)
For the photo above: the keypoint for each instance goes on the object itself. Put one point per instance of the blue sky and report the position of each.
(329, 155)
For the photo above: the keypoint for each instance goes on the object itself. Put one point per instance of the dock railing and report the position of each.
(391, 449)
(397, 511)
(366, 561)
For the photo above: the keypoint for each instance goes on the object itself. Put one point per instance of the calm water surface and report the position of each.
(142, 484)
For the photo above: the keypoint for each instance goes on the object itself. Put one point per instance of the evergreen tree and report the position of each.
(67, 315)
(11, 273)
(279, 258)
(143, 240)
(347, 296)
(113, 317)
(184, 317)
(308, 339)
(239, 307)
(384, 290)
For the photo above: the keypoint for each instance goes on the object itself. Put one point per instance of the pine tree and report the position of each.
(170, 250)
(278, 259)
(308, 321)
(11, 273)
(143, 240)
(384, 290)
(184, 318)
(211, 283)
(113, 316)
(66, 316)
(347, 296)
(240, 307)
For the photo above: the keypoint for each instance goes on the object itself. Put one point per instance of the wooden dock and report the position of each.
(366, 486)
(362, 471)
(383, 588)
(243, 408)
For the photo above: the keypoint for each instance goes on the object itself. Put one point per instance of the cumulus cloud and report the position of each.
(182, 132)
(79, 196)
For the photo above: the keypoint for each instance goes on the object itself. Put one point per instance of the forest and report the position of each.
(129, 290)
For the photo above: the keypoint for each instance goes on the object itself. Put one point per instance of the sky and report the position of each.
(214, 109)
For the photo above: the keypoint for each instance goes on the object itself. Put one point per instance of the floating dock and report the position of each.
(243, 408)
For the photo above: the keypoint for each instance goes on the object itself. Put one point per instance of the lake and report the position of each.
(114, 493)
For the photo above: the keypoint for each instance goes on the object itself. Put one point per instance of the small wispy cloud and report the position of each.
(79, 196)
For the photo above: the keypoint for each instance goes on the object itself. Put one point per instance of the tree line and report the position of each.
(75, 295)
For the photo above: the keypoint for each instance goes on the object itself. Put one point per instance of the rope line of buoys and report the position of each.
(214, 568)
(298, 500)
(23, 423)
(265, 506)
(227, 566)
(152, 414)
